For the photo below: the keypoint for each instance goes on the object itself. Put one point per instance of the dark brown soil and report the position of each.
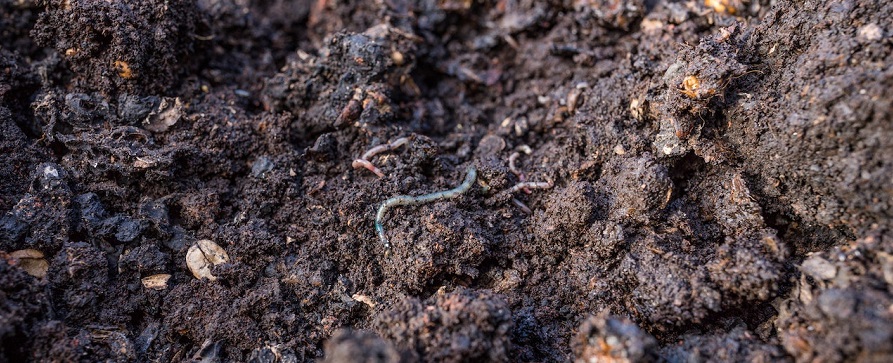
(722, 179)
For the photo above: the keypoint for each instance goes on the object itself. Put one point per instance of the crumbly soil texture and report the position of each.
(710, 180)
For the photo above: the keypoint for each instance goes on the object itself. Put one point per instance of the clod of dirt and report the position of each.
(567, 212)
(736, 345)
(203, 255)
(41, 215)
(79, 280)
(360, 92)
(32, 262)
(24, 300)
(19, 155)
(743, 269)
(640, 188)
(458, 326)
(95, 221)
(142, 261)
(447, 246)
(107, 43)
(609, 338)
(358, 346)
(614, 14)
(841, 306)
(671, 289)
(694, 87)
(156, 282)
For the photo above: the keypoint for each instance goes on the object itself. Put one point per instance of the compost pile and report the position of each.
(710, 180)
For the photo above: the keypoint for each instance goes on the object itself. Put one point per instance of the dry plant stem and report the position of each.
(363, 161)
(530, 185)
(470, 177)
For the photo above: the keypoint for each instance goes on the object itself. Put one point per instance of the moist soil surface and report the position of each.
(708, 181)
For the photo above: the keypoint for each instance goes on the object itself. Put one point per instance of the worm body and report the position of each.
(470, 177)
(530, 185)
(363, 161)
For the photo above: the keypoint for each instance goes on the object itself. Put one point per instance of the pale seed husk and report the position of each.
(202, 255)
(32, 262)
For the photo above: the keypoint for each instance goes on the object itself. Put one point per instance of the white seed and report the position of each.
(32, 262)
(364, 299)
(166, 115)
(202, 255)
(142, 163)
(156, 282)
(574, 98)
(619, 150)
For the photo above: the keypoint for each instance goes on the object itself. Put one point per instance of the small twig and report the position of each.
(470, 177)
(531, 185)
(363, 161)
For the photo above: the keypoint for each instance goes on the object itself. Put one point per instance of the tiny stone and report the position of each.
(261, 166)
(491, 145)
(819, 268)
(871, 32)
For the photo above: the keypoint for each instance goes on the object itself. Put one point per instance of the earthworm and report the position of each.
(360, 163)
(514, 169)
(512, 166)
(530, 185)
(470, 177)
(363, 161)
(524, 207)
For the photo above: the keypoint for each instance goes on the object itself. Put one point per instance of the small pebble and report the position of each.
(871, 32)
(819, 268)
(261, 166)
